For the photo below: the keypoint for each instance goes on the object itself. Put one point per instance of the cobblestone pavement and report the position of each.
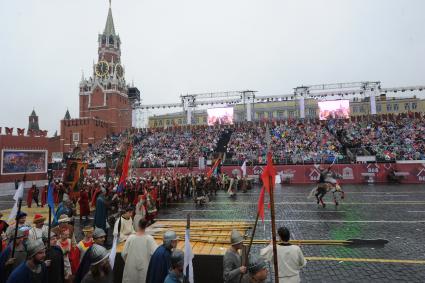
(392, 212)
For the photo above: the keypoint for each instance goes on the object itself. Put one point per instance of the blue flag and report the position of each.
(50, 200)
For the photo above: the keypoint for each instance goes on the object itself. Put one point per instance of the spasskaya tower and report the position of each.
(105, 107)
(104, 94)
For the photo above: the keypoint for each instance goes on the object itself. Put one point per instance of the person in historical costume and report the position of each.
(3, 229)
(290, 258)
(151, 198)
(232, 191)
(101, 213)
(56, 271)
(44, 192)
(100, 269)
(9, 263)
(176, 273)
(140, 211)
(99, 237)
(69, 248)
(56, 193)
(29, 195)
(33, 270)
(232, 263)
(22, 218)
(257, 271)
(160, 262)
(123, 227)
(36, 232)
(137, 253)
(64, 208)
(86, 242)
(83, 201)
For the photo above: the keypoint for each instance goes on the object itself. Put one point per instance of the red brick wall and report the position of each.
(91, 131)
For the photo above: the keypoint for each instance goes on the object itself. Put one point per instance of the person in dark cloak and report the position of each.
(9, 263)
(56, 272)
(160, 262)
(101, 213)
(33, 270)
(84, 267)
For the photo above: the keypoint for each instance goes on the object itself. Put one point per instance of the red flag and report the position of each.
(213, 168)
(269, 173)
(125, 166)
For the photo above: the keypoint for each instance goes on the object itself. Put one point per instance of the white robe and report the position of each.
(126, 228)
(290, 260)
(137, 254)
(37, 234)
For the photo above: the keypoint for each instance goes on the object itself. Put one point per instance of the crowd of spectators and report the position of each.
(292, 142)
(175, 148)
(401, 139)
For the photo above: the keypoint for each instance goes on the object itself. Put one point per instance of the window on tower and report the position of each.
(103, 39)
(111, 40)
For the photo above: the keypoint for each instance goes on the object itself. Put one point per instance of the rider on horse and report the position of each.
(327, 182)
(323, 185)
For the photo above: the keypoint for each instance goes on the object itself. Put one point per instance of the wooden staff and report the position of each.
(272, 212)
(246, 259)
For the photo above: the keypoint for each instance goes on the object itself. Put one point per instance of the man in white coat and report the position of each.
(137, 253)
(290, 258)
(123, 227)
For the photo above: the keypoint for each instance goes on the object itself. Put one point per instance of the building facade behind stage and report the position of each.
(105, 108)
(281, 110)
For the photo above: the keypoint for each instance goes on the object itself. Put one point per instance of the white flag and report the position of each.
(19, 194)
(113, 252)
(243, 169)
(188, 257)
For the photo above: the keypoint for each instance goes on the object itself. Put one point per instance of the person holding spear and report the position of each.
(232, 265)
(290, 258)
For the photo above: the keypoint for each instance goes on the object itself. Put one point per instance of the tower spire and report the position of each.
(109, 27)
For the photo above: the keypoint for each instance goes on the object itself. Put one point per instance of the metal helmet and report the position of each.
(177, 258)
(235, 237)
(33, 247)
(98, 254)
(169, 236)
(256, 264)
(98, 232)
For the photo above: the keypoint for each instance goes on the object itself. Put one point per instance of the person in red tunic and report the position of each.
(29, 196)
(44, 195)
(83, 201)
(56, 193)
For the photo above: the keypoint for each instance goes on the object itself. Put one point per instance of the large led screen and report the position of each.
(23, 161)
(334, 109)
(220, 116)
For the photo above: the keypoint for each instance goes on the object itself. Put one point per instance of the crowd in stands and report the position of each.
(402, 139)
(174, 148)
(292, 142)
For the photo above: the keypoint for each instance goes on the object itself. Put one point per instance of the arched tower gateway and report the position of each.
(104, 95)
(105, 108)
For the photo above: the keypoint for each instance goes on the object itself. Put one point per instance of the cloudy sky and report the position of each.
(171, 47)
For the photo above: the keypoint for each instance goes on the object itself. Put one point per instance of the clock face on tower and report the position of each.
(102, 69)
(119, 70)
